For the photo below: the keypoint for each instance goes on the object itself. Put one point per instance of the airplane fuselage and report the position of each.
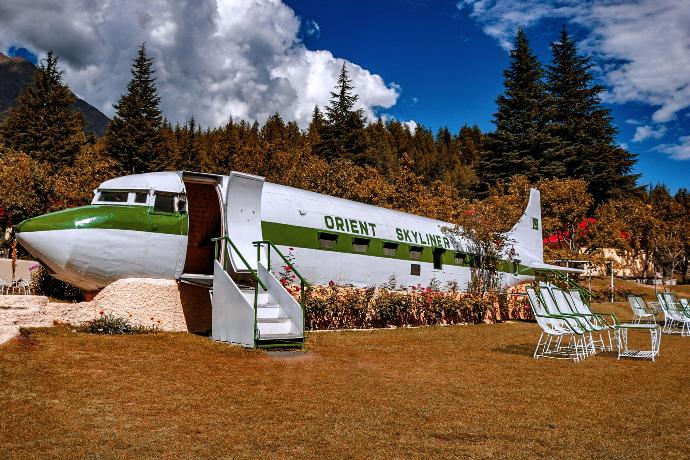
(160, 225)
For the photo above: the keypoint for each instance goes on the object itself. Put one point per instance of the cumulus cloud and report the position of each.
(644, 132)
(642, 43)
(215, 59)
(679, 151)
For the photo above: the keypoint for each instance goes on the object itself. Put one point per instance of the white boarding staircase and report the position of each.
(250, 306)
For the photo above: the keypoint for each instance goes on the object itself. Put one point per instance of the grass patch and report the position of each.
(454, 391)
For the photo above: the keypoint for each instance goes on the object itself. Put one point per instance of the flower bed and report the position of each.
(337, 307)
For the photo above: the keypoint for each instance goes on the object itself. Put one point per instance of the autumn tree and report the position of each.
(43, 123)
(134, 137)
(565, 204)
(25, 185)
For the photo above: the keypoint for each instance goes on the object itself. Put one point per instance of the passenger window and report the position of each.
(415, 270)
(416, 252)
(113, 197)
(327, 240)
(460, 258)
(140, 197)
(360, 244)
(438, 258)
(390, 249)
(165, 202)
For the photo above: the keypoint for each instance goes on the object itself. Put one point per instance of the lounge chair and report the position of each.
(592, 323)
(675, 316)
(554, 329)
(640, 310)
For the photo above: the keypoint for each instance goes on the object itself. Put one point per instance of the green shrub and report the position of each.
(44, 284)
(107, 323)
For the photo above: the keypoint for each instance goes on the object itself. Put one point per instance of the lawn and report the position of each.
(437, 391)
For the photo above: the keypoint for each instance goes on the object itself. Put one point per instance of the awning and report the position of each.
(544, 267)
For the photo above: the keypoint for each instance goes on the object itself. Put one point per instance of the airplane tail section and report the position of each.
(526, 235)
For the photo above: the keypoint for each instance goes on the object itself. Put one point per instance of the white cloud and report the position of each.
(679, 151)
(312, 28)
(411, 124)
(643, 43)
(645, 132)
(215, 59)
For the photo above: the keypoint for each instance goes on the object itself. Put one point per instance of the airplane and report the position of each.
(163, 225)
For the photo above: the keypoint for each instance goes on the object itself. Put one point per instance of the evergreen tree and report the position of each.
(586, 146)
(189, 154)
(43, 123)
(343, 133)
(134, 137)
(517, 144)
(316, 126)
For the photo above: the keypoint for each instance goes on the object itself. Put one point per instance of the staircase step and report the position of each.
(272, 337)
(269, 311)
(271, 326)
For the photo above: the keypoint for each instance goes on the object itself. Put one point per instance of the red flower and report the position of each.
(331, 283)
(291, 249)
(101, 313)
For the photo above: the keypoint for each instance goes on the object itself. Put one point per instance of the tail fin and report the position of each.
(526, 236)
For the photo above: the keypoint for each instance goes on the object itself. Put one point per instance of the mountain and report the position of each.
(16, 72)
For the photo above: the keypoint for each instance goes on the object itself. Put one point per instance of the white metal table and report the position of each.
(622, 339)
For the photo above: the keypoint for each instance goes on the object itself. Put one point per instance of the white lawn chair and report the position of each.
(574, 321)
(553, 331)
(4, 287)
(640, 310)
(23, 287)
(582, 307)
(675, 316)
(592, 323)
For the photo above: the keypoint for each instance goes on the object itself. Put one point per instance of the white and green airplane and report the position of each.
(161, 225)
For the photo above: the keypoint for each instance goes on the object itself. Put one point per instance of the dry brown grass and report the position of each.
(428, 392)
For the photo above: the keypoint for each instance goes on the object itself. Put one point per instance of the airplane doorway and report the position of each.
(204, 213)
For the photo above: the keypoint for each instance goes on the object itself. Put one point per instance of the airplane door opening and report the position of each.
(204, 211)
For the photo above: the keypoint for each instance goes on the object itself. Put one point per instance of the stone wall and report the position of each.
(22, 269)
(163, 304)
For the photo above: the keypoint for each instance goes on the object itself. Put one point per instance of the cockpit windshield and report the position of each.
(113, 197)
(163, 202)
(122, 197)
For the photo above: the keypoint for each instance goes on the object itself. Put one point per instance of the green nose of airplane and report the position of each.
(84, 217)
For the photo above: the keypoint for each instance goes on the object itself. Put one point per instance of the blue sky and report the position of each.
(450, 70)
(431, 62)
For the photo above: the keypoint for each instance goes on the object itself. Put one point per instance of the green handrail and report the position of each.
(244, 261)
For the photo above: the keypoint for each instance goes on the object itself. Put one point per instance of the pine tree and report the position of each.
(43, 124)
(134, 138)
(343, 134)
(316, 126)
(189, 153)
(586, 146)
(517, 144)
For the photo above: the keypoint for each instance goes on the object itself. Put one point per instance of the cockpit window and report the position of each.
(140, 197)
(165, 202)
(113, 197)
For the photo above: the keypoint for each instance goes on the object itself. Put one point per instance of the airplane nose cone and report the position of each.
(54, 239)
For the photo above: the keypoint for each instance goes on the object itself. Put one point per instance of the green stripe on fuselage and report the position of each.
(136, 218)
(308, 238)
